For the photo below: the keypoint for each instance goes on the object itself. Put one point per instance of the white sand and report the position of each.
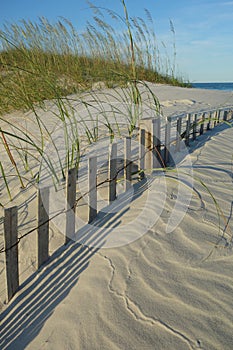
(166, 290)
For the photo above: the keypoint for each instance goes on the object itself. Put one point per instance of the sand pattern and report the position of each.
(166, 290)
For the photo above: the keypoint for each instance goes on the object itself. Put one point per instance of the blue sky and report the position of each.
(204, 29)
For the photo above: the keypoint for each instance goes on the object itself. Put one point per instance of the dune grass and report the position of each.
(41, 61)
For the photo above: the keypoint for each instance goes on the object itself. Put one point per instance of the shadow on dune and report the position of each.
(207, 136)
(39, 295)
(201, 140)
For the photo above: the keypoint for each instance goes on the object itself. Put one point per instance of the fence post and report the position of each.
(202, 123)
(146, 124)
(127, 162)
(178, 133)
(112, 171)
(156, 143)
(70, 203)
(230, 114)
(188, 122)
(212, 120)
(225, 116)
(167, 142)
(92, 190)
(215, 118)
(43, 226)
(209, 121)
(195, 127)
(218, 116)
(11, 250)
(141, 160)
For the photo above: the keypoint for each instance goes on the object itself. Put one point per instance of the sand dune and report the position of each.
(167, 289)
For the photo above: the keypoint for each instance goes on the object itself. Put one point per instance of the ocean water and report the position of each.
(214, 86)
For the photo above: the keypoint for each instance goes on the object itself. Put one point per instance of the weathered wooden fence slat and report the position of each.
(229, 115)
(225, 115)
(146, 125)
(195, 127)
(127, 163)
(11, 250)
(212, 119)
(178, 133)
(70, 203)
(215, 117)
(43, 226)
(156, 143)
(92, 189)
(188, 126)
(112, 172)
(208, 127)
(202, 124)
(167, 142)
(141, 156)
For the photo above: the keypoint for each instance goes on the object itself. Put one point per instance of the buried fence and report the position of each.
(152, 154)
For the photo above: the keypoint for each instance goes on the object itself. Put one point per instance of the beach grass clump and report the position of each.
(41, 60)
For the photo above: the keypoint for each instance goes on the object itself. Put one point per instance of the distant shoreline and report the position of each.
(228, 86)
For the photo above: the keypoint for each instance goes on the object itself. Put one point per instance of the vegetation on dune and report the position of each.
(42, 60)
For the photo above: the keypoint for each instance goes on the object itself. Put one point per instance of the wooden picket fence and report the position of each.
(152, 153)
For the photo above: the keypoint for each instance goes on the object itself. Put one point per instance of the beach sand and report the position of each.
(169, 288)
